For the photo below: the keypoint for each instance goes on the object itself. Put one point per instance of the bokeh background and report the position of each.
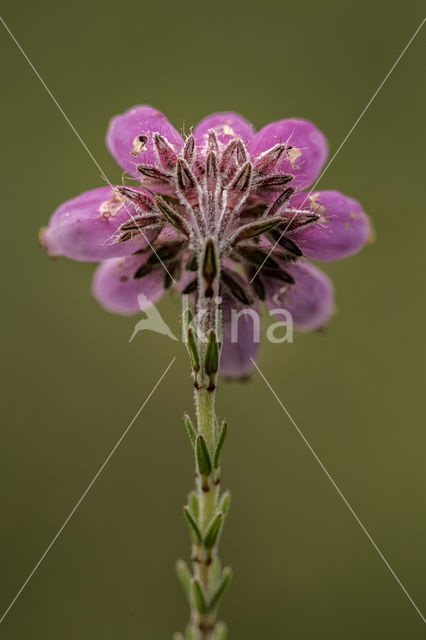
(72, 382)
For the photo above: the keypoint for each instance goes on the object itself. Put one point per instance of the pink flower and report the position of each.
(222, 181)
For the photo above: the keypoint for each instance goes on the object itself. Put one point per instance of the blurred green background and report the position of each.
(72, 382)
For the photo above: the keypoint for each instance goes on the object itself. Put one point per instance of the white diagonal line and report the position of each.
(80, 139)
(339, 492)
(347, 137)
(78, 503)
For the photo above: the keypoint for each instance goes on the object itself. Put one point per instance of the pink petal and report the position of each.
(227, 125)
(307, 156)
(237, 350)
(83, 228)
(124, 130)
(309, 300)
(342, 230)
(116, 289)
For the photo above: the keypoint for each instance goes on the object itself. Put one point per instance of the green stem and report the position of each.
(206, 510)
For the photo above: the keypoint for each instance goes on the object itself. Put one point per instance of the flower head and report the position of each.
(224, 184)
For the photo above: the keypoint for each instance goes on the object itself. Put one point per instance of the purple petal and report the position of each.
(116, 289)
(243, 344)
(227, 125)
(84, 228)
(341, 231)
(309, 300)
(123, 137)
(307, 156)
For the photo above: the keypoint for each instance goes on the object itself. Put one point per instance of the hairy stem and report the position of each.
(207, 508)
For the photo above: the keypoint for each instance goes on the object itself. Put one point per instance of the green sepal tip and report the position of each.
(223, 584)
(198, 596)
(194, 505)
(190, 429)
(184, 576)
(211, 360)
(213, 531)
(193, 526)
(193, 350)
(225, 503)
(204, 462)
(222, 437)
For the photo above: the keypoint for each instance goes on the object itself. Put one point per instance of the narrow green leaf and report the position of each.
(213, 531)
(225, 580)
(198, 595)
(190, 429)
(203, 456)
(184, 575)
(193, 527)
(211, 361)
(194, 506)
(215, 572)
(193, 350)
(225, 503)
(222, 437)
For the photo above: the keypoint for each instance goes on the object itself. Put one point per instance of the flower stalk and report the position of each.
(206, 509)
